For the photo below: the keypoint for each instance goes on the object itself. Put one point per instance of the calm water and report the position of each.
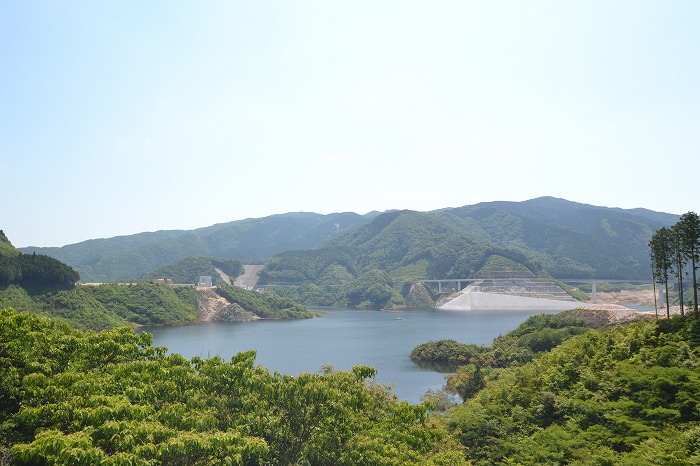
(344, 337)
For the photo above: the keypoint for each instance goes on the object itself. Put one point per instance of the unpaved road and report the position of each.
(250, 276)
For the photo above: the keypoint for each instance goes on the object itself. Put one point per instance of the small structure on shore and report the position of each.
(205, 281)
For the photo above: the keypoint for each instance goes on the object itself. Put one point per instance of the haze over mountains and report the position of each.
(548, 235)
(126, 258)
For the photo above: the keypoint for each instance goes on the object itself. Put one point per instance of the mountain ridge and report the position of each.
(557, 233)
(549, 237)
(127, 257)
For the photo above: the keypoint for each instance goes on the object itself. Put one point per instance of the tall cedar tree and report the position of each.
(661, 246)
(689, 227)
(677, 237)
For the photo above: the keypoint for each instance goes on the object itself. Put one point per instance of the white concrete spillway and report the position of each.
(480, 301)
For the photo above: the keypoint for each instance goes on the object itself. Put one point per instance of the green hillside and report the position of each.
(43, 285)
(622, 396)
(570, 239)
(317, 258)
(546, 236)
(6, 247)
(126, 258)
(189, 269)
(35, 272)
(110, 305)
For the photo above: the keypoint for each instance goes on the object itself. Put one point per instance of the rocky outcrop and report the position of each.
(419, 296)
(215, 308)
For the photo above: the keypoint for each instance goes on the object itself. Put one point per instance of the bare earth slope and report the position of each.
(215, 308)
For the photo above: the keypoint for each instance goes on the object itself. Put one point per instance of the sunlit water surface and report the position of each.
(343, 338)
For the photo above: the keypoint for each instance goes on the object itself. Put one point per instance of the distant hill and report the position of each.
(547, 236)
(43, 285)
(126, 258)
(189, 269)
(570, 239)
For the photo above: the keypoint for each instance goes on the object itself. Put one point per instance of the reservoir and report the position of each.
(343, 338)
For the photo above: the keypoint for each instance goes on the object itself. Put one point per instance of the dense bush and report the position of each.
(73, 397)
(628, 395)
(446, 354)
(109, 305)
(37, 273)
(535, 335)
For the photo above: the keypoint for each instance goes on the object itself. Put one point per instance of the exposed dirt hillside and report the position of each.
(606, 315)
(249, 278)
(628, 297)
(215, 308)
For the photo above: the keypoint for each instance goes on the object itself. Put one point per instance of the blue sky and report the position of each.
(131, 116)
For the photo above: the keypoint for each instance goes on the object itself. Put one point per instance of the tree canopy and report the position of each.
(627, 395)
(80, 397)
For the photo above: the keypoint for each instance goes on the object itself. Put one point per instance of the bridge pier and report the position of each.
(593, 290)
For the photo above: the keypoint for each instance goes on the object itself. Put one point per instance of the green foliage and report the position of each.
(535, 335)
(105, 306)
(467, 381)
(17, 298)
(499, 264)
(627, 395)
(37, 273)
(148, 303)
(6, 247)
(189, 270)
(40, 273)
(687, 236)
(72, 397)
(372, 290)
(80, 308)
(446, 355)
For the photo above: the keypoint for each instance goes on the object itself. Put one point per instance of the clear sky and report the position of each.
(118, 117)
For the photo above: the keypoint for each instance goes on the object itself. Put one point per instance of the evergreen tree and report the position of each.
(661, 246)
(679, 258)
(689, 228)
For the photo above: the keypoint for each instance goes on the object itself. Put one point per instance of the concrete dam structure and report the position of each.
(513, 294)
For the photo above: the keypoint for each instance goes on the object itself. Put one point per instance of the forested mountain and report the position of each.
(126, 258)
(35, 272)
(189, 269)
(546, 236)
(569, 239)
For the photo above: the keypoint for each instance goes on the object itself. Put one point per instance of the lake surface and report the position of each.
(343, 338)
